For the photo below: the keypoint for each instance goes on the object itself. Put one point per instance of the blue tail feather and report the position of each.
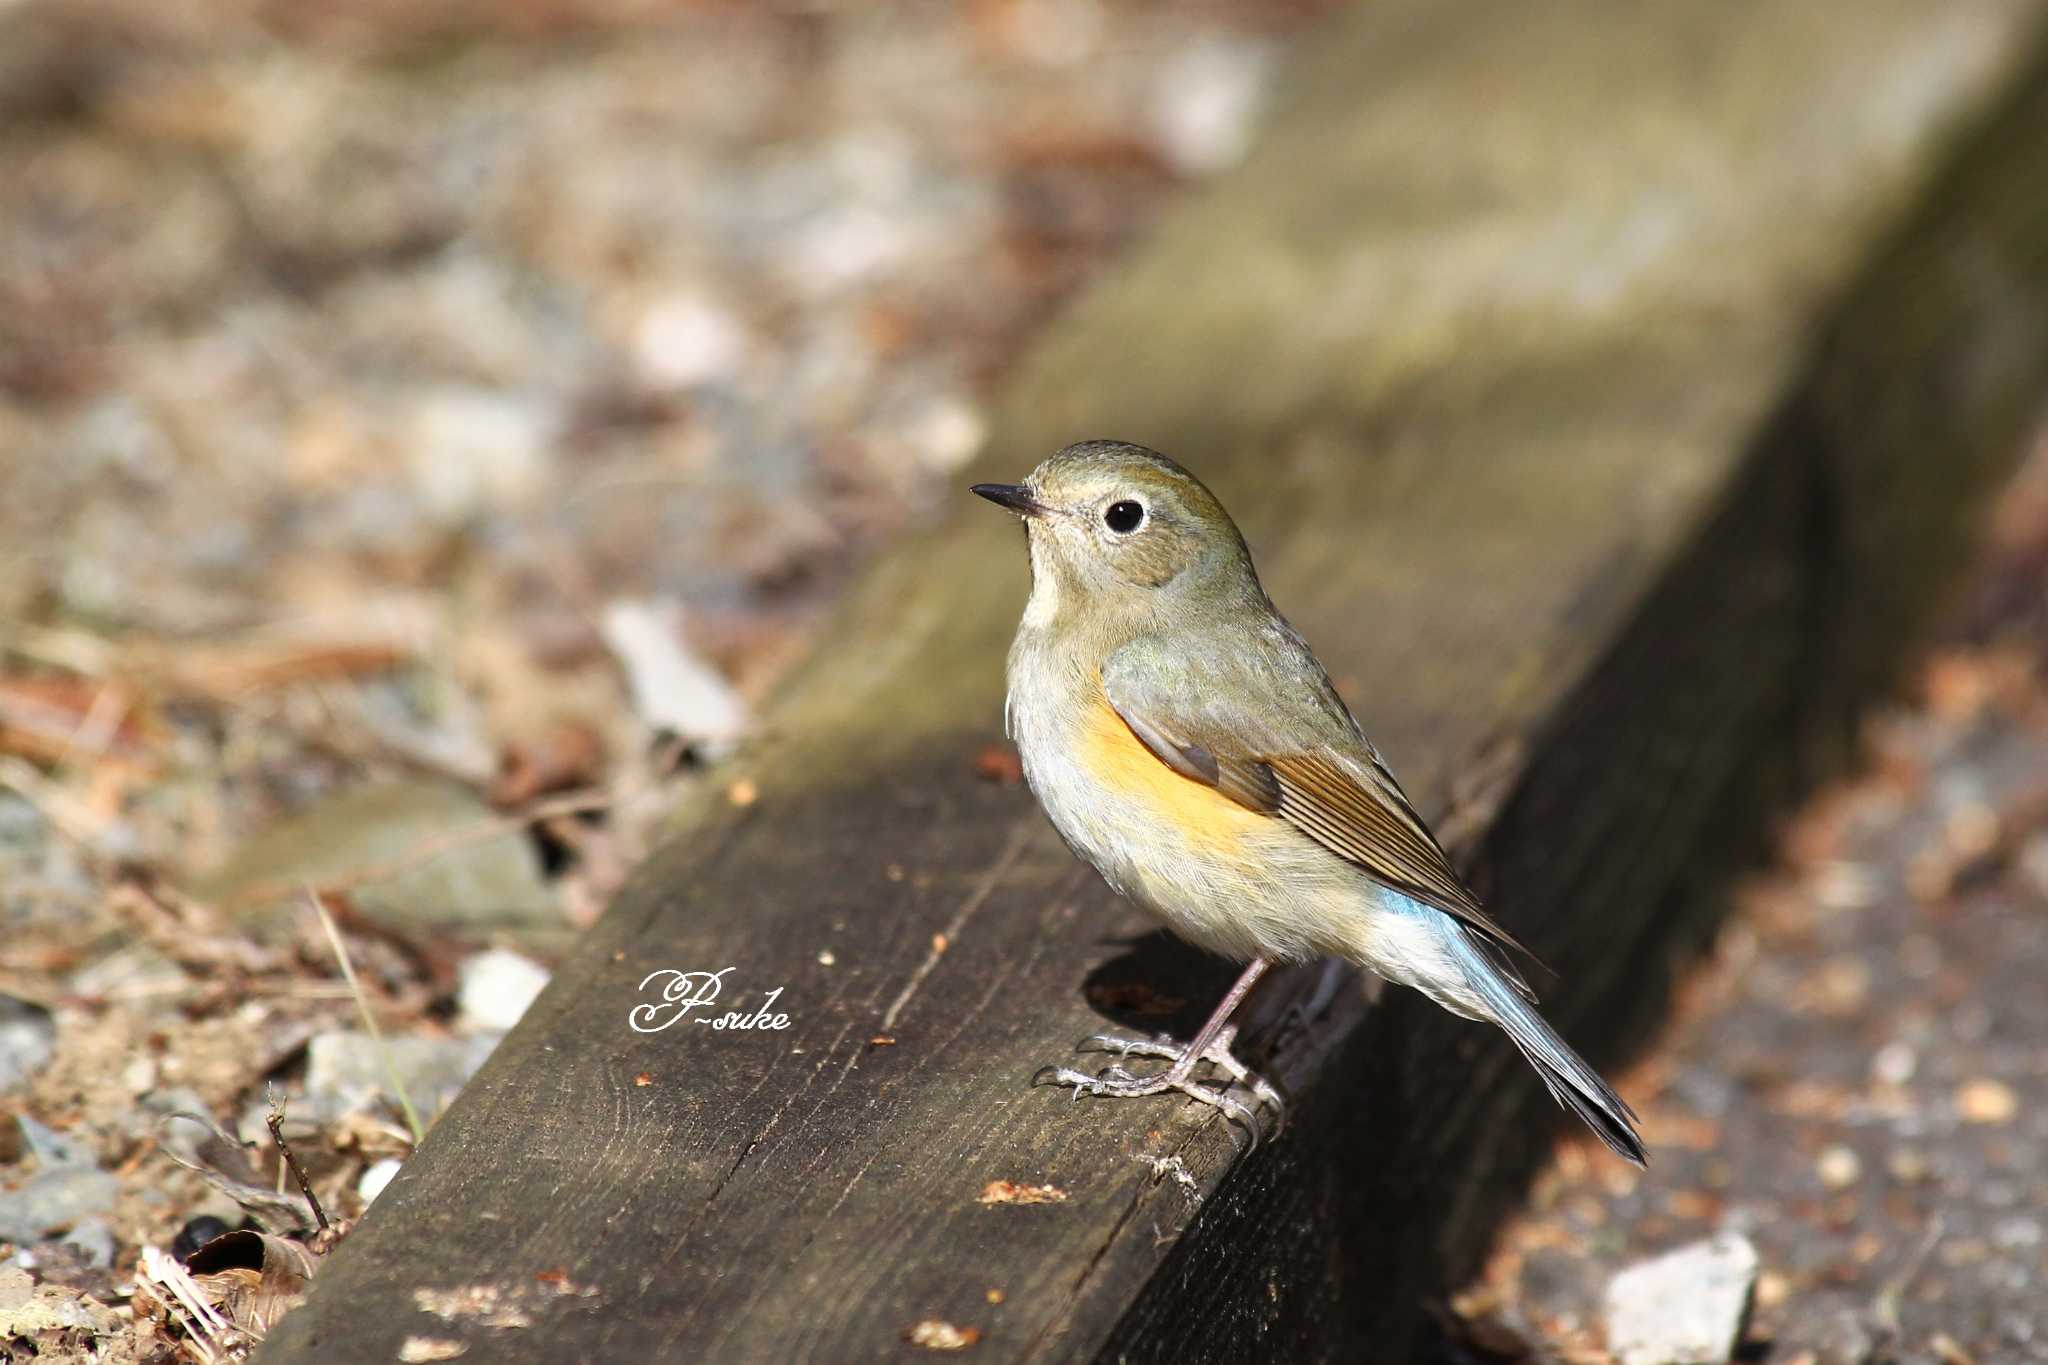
(1573, 1083)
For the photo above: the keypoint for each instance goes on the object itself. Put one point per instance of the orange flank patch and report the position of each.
(1210, 821)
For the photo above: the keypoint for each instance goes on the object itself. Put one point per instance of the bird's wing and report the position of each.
(1257, 719)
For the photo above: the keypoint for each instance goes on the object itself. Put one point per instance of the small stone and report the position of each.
(139, 1076)
(496, 987)
(1894, 1063)
(376, 1178)
(1907, 1165)
(946, 433)
(1685, 1307)
(826, 957)
(1841, 986)
(674, 691)
(27, 1038)
(1839, 1168)
(1845, 886)
(55, 1199)
(1986, 1101)
(471, 884)
(346, 1072)
(475, 449)
(685, 340)
(50, 1147)
(1206, 101)
(94, 1241)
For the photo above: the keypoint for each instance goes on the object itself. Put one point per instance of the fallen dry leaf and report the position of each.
(1010, 1192)
(999, 763)
(935, 1335)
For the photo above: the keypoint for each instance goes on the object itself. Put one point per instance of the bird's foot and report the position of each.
(1117, 1082)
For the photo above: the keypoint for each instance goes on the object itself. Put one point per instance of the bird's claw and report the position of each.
(1117, 1082)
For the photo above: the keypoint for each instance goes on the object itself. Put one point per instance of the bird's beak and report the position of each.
(1014, 496)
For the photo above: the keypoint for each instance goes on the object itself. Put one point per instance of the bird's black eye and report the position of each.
(1124, 517)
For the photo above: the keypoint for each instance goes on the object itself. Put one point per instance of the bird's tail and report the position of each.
(1570, 1081)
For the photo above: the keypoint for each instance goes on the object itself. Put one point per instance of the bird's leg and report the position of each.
(1211, 1044)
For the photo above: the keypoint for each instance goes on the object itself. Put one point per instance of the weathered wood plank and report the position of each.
(1503, 349)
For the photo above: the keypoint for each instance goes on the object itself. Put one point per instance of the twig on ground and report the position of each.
(275, 1122)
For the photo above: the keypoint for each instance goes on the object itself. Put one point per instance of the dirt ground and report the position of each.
(427, 430)
(1857, 1078)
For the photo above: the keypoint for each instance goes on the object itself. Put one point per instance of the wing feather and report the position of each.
(1320, 774)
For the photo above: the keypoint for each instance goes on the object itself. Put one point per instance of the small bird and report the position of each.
(1185, 742)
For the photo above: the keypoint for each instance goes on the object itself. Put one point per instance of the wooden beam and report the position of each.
(1595, 404)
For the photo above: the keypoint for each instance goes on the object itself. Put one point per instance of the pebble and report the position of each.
(496, 986)
(492, 885)
(54, 1198)
(28, 1037)
(1907, 1165)
(1206, 102)
(685, 340)
(1986, 1101)
(1685, 1307)
(346, 1071)
(376, 1177)
(946, 431)
(94, 1240)
(1839, 1168)
(50, 1147)
(1894, 1063)
(477, 449)
(673, 689)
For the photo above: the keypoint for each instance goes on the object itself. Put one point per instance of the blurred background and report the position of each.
(426, 431)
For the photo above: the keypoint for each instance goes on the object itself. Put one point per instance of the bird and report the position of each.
(1184, 741)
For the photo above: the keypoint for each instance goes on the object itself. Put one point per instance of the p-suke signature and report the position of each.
(685, 992)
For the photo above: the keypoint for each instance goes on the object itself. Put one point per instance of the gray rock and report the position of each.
(55, 1200)
(416, 831)
(51, 1148)
(673, 689)
(1686, 1307)
(28, 1036)
(348, 1072)
(376, 1178)
(94, 1241)
(496, 987)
